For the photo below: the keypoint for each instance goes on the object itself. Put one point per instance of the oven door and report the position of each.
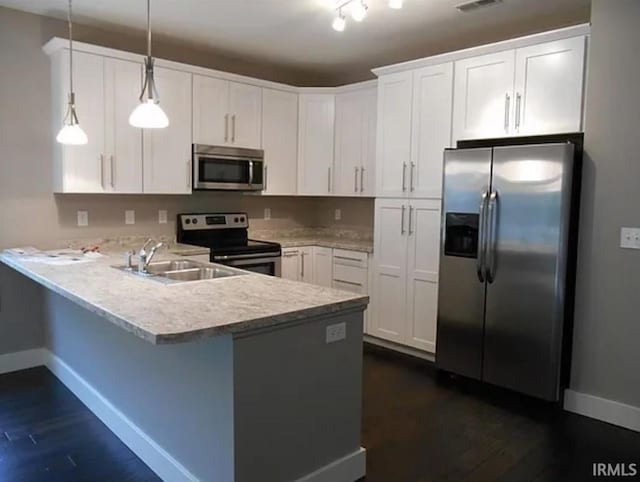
(218, 172)
(269, 265)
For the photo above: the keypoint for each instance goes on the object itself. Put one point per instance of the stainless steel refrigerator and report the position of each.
(507, 265)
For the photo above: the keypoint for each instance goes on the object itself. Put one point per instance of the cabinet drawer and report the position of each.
(350, 275)
(345, 257)
(350, 287)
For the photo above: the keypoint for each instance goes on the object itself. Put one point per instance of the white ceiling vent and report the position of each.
(476, 4)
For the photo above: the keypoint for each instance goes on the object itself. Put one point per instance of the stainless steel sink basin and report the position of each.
(199, 274)
(183, 271)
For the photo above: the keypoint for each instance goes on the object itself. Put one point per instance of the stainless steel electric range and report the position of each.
(227, 237)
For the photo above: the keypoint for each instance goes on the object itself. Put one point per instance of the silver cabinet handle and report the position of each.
(347, 282)
(102, 170)
(402, 220)
(226, 127)
(233, 128)
(481, 237)
(113, 171)
(361, 179)
(404, 175)
(413, 166)
(302, 271)
(329, 179)
(189, 174)
(410, 219)
(265, 177)
(355, 181)
(491, 241)
(507, 104)
(518, 103)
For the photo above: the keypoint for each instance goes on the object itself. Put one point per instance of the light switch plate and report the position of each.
(336, 332)
(630, 238)
(162, 216)
(83, 218)
(338, 214)
(129, 216)
(267, 214)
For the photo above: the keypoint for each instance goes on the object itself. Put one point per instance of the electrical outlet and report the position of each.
(630, 238)
(336, 332)
(162, 216)
(338, 214)
(267, 214)
(83, 219)
(129, 216)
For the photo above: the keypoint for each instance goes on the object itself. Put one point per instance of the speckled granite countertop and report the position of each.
(318, 237)
(175, 313)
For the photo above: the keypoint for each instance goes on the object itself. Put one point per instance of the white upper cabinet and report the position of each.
(532, 90)
(432, 106)
(549, 87)
(483, 96)
(315, 143)
(393, 136)
(355, 142)
(226, 113)
(280, 141)
(245, 107)
(80, 169)
(167, 152)
(123, 81)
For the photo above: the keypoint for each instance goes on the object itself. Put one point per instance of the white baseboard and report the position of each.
(407, 350)
(609, 411)
(347, 469)
(163, 464)
(21, 360)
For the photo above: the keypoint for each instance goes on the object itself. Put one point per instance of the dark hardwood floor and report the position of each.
(419, 426)
(423, 426)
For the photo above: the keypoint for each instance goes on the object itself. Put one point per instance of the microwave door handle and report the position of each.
(250, 173)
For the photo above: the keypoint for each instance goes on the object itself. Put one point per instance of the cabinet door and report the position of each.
(280, 141)
(167, 152)
(306, 264)
(483, 105)
(245, 108)
(350, 142)
(322, 266)
(368, 167)
(393, 136)
(432, 107)
(315, 143)
(290, 268)
(84, 167)
(422, 274)
(390, 266)
(549, 87)
(123, 81)
(211, 117)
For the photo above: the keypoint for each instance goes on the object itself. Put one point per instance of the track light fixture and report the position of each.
(358, 10)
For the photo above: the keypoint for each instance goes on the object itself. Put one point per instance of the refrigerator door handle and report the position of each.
(480, 265)
(491, 241)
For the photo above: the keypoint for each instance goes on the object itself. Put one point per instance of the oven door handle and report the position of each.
(246, 256)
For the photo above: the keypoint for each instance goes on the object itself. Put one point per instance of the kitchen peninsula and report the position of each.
(240, 378)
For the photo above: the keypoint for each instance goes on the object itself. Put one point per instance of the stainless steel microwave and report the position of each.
(227, 168)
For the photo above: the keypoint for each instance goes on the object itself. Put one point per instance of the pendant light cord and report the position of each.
(70, 49)
(148, 28)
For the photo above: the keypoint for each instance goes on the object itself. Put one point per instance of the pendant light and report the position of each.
(71, 132)
(148, 114)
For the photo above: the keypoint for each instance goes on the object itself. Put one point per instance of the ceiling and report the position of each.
(298, 33)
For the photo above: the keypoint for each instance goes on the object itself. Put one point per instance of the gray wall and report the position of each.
(607, 325)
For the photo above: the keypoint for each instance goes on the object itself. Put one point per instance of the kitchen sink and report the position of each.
(182, 271)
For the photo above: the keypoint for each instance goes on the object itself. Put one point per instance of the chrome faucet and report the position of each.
(145, 257)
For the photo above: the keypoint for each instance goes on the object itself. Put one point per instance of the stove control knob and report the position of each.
(194, 221)
(187, 221)
(242, 219)
(235, 220)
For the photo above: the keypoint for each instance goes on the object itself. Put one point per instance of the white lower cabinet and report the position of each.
(405, 272)
(322, 266)
(351, 273)
(306, 264)
(290, 264)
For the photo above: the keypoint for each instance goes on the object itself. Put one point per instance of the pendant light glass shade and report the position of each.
(148, 114)
(71, 132)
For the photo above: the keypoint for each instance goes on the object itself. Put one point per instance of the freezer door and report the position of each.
(461, 287)
(527, 250)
